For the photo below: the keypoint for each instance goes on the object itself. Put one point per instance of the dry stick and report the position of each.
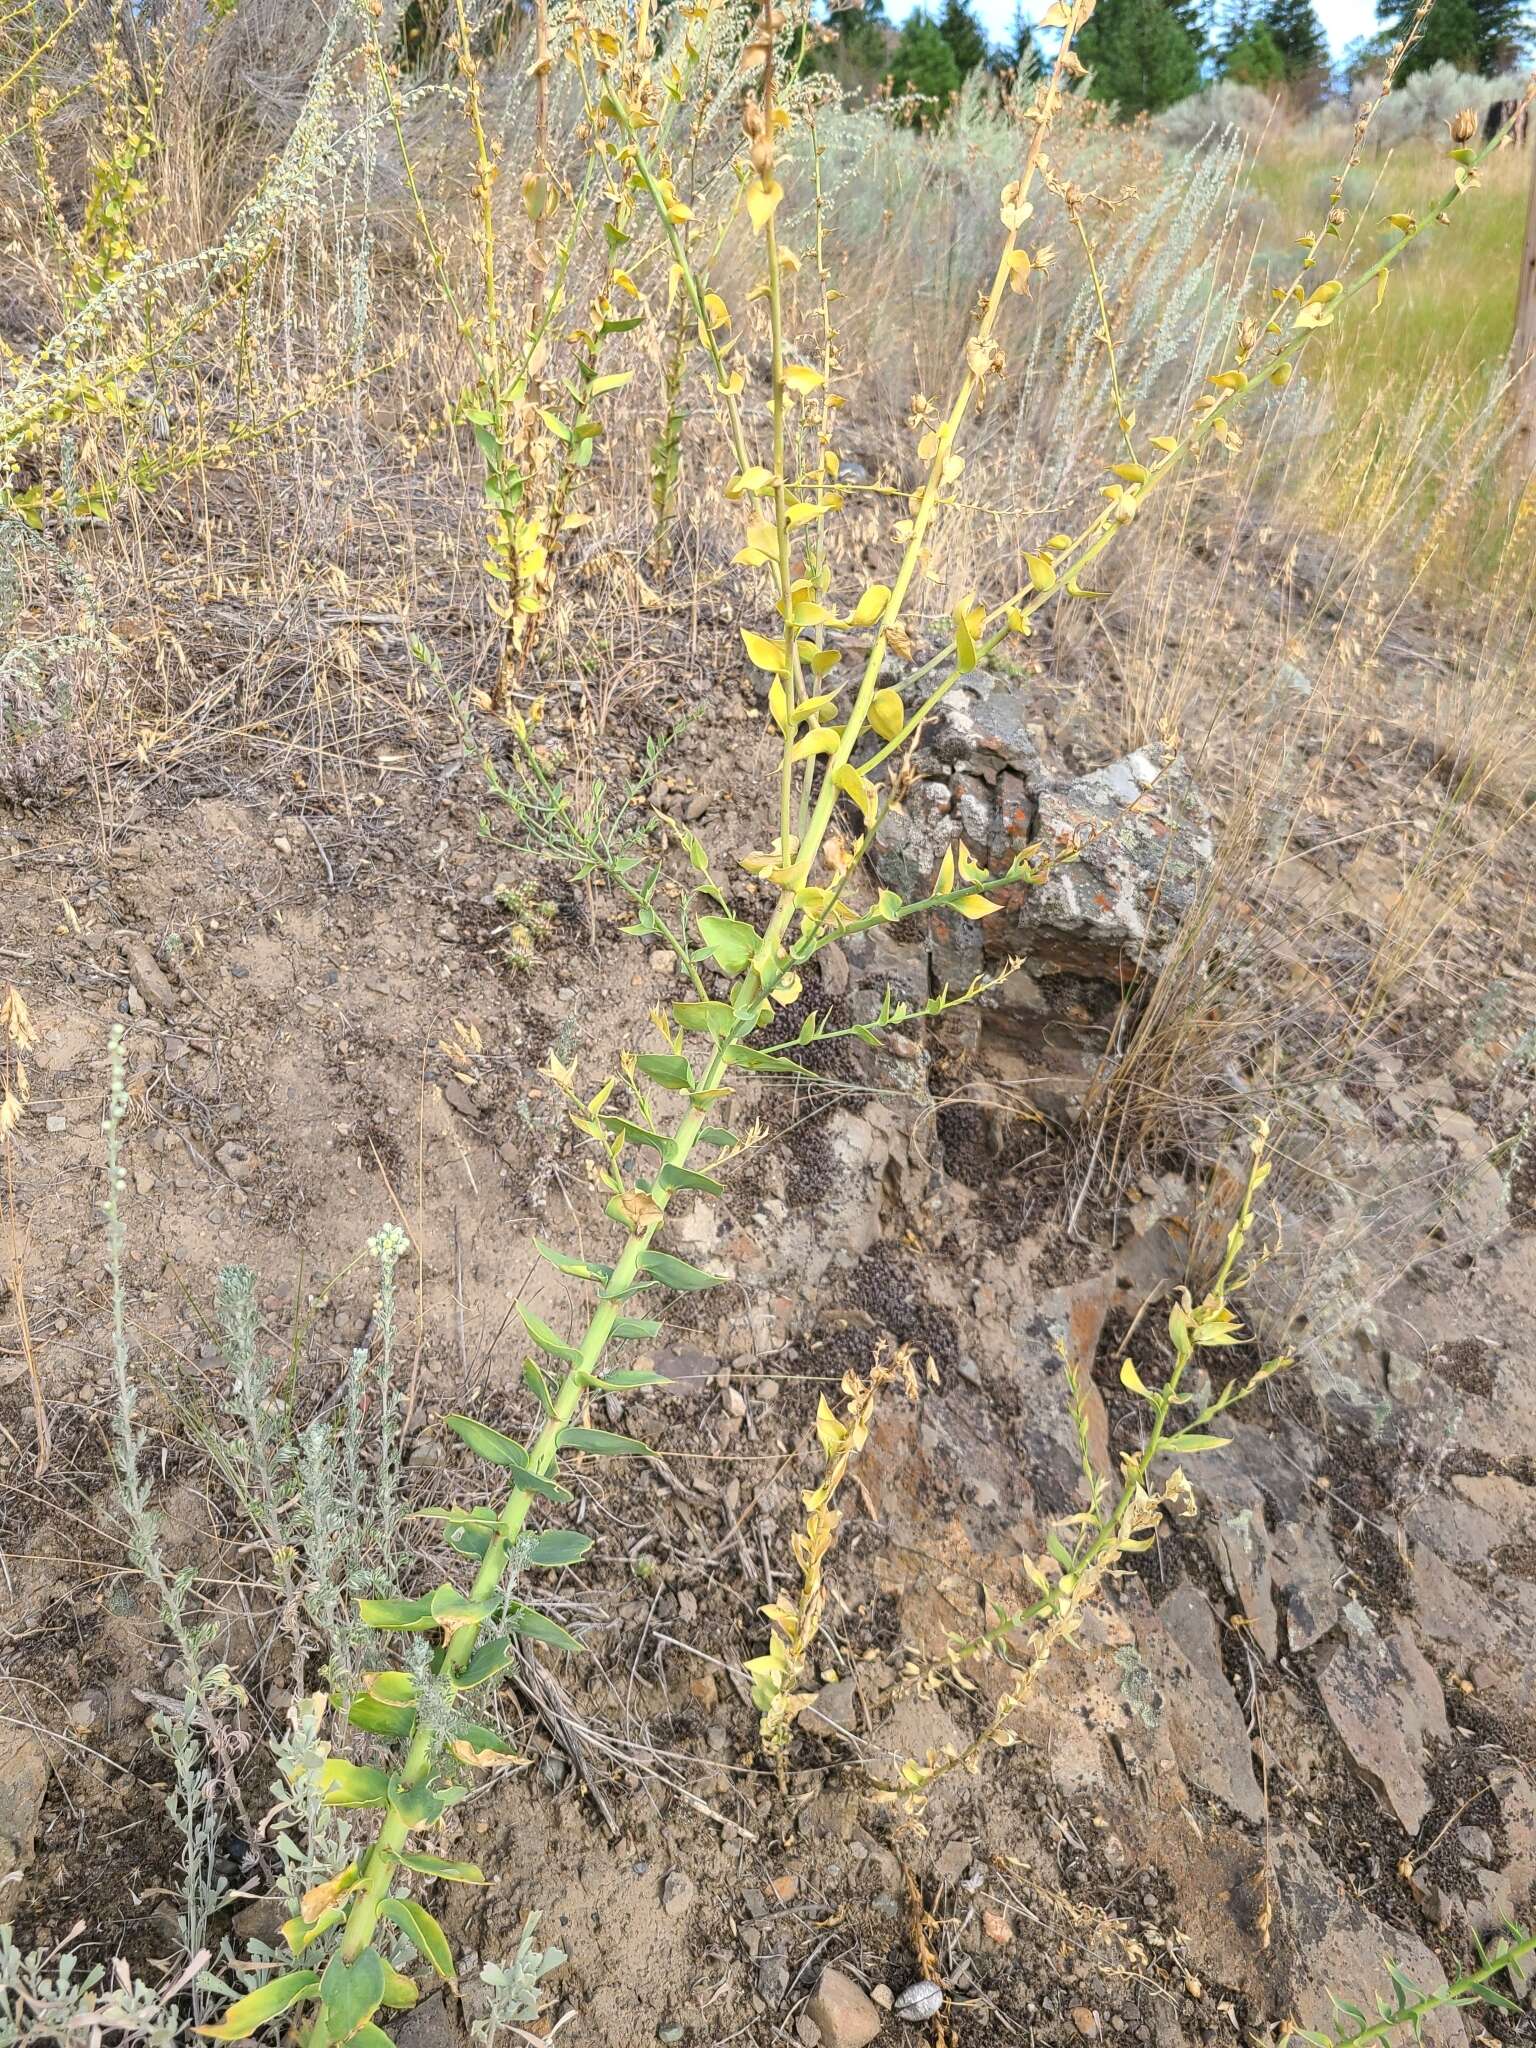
(1523, 350)
(17, 1037)
(23, 1323)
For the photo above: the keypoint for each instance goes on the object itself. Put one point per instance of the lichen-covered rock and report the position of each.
(1140, 838)
(1133, 841)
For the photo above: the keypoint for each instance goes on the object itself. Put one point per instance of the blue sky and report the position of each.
(1343, 19)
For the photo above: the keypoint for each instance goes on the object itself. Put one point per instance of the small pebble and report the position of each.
(919, 2002)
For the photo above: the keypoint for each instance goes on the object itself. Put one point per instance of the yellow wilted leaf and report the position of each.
(778, 705)
(763, 652)
(1132, 472)
(640, 1211)
(1019, 267)
(966, 620)
(763, 197)
(1015, 208)
(802, 379)
(1041, 570)
(870, 605)
(974, 906)
(1165, 443)
(887, 714)
(319, 1896)
(862, 790)
(813, 708)
(820, 660)
(1224, 380)
(821, 739)
(484, 1759)
(829, 1431)
(750, 482)
(716, 311)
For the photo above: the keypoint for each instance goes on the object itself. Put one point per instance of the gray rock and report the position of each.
(1384, 1700)
(1308, 1576)
(679, 1894)
(773, 1981)
(1140, 842)
(428, 2025)
(842, 2012)
(1143, 845)
(919, 2002)
(1206, 1727)
(1237, 1538)
(1337, 1946)
(834, 1710)
(23, 1787)
(1506, 1892)
(1477, 1845)
(237, 1160)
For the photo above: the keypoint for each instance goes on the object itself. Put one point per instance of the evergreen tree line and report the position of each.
(1145, 54)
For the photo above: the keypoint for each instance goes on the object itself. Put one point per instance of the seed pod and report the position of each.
(1463, 125)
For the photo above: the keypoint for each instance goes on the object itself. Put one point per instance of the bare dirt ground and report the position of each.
(1300, 1738)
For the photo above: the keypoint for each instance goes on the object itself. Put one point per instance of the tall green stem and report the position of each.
(424, 1753)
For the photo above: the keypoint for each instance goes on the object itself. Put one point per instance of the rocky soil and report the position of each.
(1298, 1739)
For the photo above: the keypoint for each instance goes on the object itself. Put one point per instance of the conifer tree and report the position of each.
(1019, 52)
(1453, 33)
(1506, 32)
(963, 33)
(859, 56)
(1303, 44)
(923, 62)
(1141, 56)
(1255, 58)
